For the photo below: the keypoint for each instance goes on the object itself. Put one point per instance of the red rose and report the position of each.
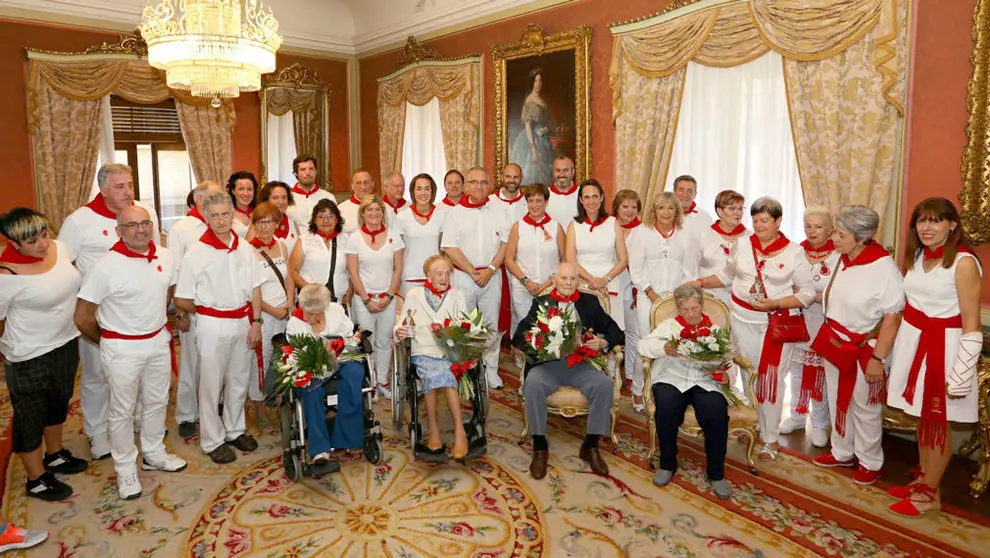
(544, 327)
(435, 327)
(553, 312)
(286, 350)
(336, 345)
(278, 510)
(446, 323)
(303, 380)
(466, 326)
(539, 340)
(462, 529)
(529, 337)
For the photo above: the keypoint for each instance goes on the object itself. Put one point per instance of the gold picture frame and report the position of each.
(975, 194)
(566, 128)
(299, 78)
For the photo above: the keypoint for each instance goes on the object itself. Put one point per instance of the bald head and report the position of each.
(135, 228)
(132, 213)
(565, 280)
(512, 178)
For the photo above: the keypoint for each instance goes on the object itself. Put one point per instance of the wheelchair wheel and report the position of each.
(285, 422)
(397, 376)
(373, 450)
(292, 465)
(415, 435)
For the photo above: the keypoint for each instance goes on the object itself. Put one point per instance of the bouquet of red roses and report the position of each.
(556, 335)
(464, 342)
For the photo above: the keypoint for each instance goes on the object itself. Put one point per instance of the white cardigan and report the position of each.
(453, 305)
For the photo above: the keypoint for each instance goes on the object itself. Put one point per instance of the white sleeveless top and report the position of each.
(596, 254)
(422, 241)
(272, 291)
(537, 252)
(315, 267)
(239, 228)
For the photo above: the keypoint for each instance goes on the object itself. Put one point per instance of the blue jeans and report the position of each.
(348, 428)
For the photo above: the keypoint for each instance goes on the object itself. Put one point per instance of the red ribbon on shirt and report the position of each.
(702, 329)
(297, 189)
(11, 255)
(632, 224)
(210, 238)
(774, 246)
(446, 201)
(690, 210)
(122, 248)
(429, 286)
(871, 253)
(822, 251)
(282, 229)
(540, 225)
(334, 234)
(258, 243)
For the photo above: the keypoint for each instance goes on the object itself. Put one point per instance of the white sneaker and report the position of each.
(819, 437)
(171, 464)
(99, 446)
(128, 486)
(792, 423)
(384, 392)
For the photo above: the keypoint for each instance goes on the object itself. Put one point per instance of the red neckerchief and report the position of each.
(298, 313)
(11, 255)
(561, 299)
(689, 331)
(429, 286)
(529, 221)
(937, 253)
(632, 224)
(99, 206)
(821, 252)
(395, 207)
(333, 235)
(553, 188)
(774, 246)
(691, 209)
(871, 253)
(364, 229)
(257, 242)
(466, 202)
(243, 211)
(210, 238)
(282, 229)
(587, 221)
(354, 200)
(717, 227)
(418, 214)
(446, 201)
(665, 236)
(507, 200)
(297, 189)
(122, 248)
(194, 212)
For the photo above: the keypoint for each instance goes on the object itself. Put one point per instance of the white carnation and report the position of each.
(555, 323)
(687, 348)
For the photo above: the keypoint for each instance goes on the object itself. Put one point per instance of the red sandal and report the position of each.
(920, 493)
(902, 492)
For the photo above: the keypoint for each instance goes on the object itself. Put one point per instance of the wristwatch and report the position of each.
(879, 359)
(524, 279)
(256, 321)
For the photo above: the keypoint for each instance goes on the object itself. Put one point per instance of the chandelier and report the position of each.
(211, 48)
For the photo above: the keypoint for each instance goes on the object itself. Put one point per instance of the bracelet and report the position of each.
(256, 321)
(493, 268)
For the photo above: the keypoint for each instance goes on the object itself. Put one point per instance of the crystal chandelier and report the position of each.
(211, 48)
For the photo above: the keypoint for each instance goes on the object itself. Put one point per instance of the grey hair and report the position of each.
(217, 198)
(686, 292)
(859, 220)
(767, 205)
(107, 169)
(314, 298)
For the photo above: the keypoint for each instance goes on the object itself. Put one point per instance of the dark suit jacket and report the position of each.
(589, 310)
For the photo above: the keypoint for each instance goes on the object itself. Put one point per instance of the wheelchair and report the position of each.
(405, 391)
(295, 453)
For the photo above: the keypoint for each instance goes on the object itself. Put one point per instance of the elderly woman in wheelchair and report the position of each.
(317, 316)
(678, 382)
(432, 303)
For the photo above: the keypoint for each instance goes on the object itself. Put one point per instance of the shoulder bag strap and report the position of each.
(333, 267)
(12, 272)
(271, 264)
(828, 288)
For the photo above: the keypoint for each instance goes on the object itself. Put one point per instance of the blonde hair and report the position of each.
(365, 202)
(662, 199)
(434, 259)
(819, 210)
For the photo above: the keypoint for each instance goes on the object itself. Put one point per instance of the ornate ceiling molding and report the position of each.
(296, 76)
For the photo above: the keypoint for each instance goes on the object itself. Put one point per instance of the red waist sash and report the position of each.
(108, 334)
(238, 313)
(770, 356)
(845, 355)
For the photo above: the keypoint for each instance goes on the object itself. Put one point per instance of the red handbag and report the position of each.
(784, 327)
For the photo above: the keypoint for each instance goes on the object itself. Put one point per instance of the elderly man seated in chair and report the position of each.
(544, 378)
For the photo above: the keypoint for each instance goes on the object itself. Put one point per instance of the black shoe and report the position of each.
(187, 430)
(321, 468)
(223, 454)
(64, 463)
(48, 488)
(244, 443)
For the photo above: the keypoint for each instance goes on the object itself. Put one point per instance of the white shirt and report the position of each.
(781, 274)
(715, 251)
(563, 208)
(443, 207)
(272, 290)
(375, 266)
(452, 306)
(39, 309)
(302, 210)
(661, 263)
(335, 324)
(184, 233)
(88, 235)
(514, 209)
(349, 212)
(537, 253)
(860, 295)
(477, 232)
(216, 278)
(315, 267)
(392, 214)
(132, 293)
(681, 373)
(421, 241)
(696, 223)
(821, 273)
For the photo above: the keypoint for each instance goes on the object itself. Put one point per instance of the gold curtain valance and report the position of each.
(421, 84)
(802, 30)
(281, 100)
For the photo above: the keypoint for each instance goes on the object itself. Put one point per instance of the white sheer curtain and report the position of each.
(734, 133)
(281, 148)
(422, 144)
(106, 154)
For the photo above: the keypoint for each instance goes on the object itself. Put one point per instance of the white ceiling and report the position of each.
(347, 26)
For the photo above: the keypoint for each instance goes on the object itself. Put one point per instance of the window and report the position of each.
(422, 144)
(734, 133)
(148, 138)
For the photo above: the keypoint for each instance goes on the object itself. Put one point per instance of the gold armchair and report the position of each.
(569, 402)
(742, 418)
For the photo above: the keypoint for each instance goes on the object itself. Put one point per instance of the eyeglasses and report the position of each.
(265, 222)
(325, 216)
(224, 215)
(132, 224)
(478, 182)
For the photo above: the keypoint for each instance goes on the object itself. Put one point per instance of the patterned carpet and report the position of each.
(488, 508)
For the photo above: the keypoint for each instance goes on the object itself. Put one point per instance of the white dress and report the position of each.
(596, 254)
(422, 241)
(538, 256)
(933, 293)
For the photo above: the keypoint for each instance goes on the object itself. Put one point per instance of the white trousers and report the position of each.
(521, 303)
(864, 423)
(94, 394)
(224, 370)
(380, 325)
(137, 371)
(749, 338)
(819, 409)
(634, 362)
(488, 301)
(269, 328)
(187, 392)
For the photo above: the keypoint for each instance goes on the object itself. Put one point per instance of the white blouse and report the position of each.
(782, 273)
(537, 253)
(661, 263)
(681, 373)
(315, 266)
(335, 320)
(452, 306)
(375, 266)
(422, 241)
(39, 309)
(861, 295)
(272, 291)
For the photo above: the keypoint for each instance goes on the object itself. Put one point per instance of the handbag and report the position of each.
(784, 327)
